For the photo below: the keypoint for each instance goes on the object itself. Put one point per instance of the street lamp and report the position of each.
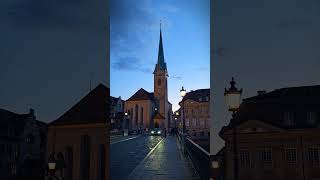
(183, 92)
(51, 165)
(233, 98)
(125, 124)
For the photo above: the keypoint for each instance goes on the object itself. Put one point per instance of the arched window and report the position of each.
(159, 82)
(136, 114)
(141, 115)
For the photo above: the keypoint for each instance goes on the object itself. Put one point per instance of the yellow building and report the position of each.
(195, 107)
(81, 136)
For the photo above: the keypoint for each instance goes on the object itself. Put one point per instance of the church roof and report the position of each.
(142, 94)
(93, 108)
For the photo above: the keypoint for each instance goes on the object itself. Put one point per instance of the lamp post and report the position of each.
(233, 98)
(125, 124)
(183, 92)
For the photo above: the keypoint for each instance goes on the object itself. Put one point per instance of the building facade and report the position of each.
(277, 135)
(195, 110)
(116, 112)
(81, 135)
(22, 145)
(143, 106)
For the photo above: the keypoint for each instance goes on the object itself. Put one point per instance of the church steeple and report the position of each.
(161, 61)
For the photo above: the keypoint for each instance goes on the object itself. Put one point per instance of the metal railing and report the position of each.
(200, 157)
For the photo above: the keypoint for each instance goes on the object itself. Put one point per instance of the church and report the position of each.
(151, 109)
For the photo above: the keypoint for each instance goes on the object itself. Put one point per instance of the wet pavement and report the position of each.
(126, 153)
(166, 161)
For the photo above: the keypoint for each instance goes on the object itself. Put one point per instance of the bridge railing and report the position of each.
(200, 157)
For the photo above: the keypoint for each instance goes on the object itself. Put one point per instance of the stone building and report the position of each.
(81, 135)
(22, 141)
(277, 135)
(143, 106)
(195, 106)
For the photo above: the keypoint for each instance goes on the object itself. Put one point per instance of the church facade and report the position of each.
(152, 109)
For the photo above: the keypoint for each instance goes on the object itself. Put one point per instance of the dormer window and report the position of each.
(289, 118)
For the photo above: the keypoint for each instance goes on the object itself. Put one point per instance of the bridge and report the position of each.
(139, 157)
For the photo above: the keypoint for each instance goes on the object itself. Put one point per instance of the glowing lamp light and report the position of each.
(52, 165)
(233, 96)
(183, 92)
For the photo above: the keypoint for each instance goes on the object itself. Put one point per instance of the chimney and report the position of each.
(261, 92)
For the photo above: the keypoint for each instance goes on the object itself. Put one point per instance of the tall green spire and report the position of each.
(161, 62)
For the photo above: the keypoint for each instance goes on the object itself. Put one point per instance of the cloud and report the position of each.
(130, 64)
(175, 77)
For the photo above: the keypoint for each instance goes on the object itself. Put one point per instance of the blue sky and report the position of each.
(134, 45)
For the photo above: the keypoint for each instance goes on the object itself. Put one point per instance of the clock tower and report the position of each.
(160, 83)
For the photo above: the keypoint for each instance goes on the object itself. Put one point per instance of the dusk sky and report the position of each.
(134, 45)
(266, 45)
(48, 49)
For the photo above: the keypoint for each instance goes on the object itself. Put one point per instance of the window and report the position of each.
(187, 122)
(136, 114)
(159, 82)
(314, 153)
(202, 123)
(288, 118)
(141, 116)
(244, 157)
(13, 169)
(311, 118)
(101, 162)
(69, 163)
(267, 156)
(291, 155)
(198, 122)
(194, 122)
(85, 158)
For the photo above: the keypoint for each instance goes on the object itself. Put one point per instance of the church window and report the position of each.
(136, 114)
(141, 115)
(159, 82)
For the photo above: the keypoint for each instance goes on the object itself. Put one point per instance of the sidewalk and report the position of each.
(164, 162)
